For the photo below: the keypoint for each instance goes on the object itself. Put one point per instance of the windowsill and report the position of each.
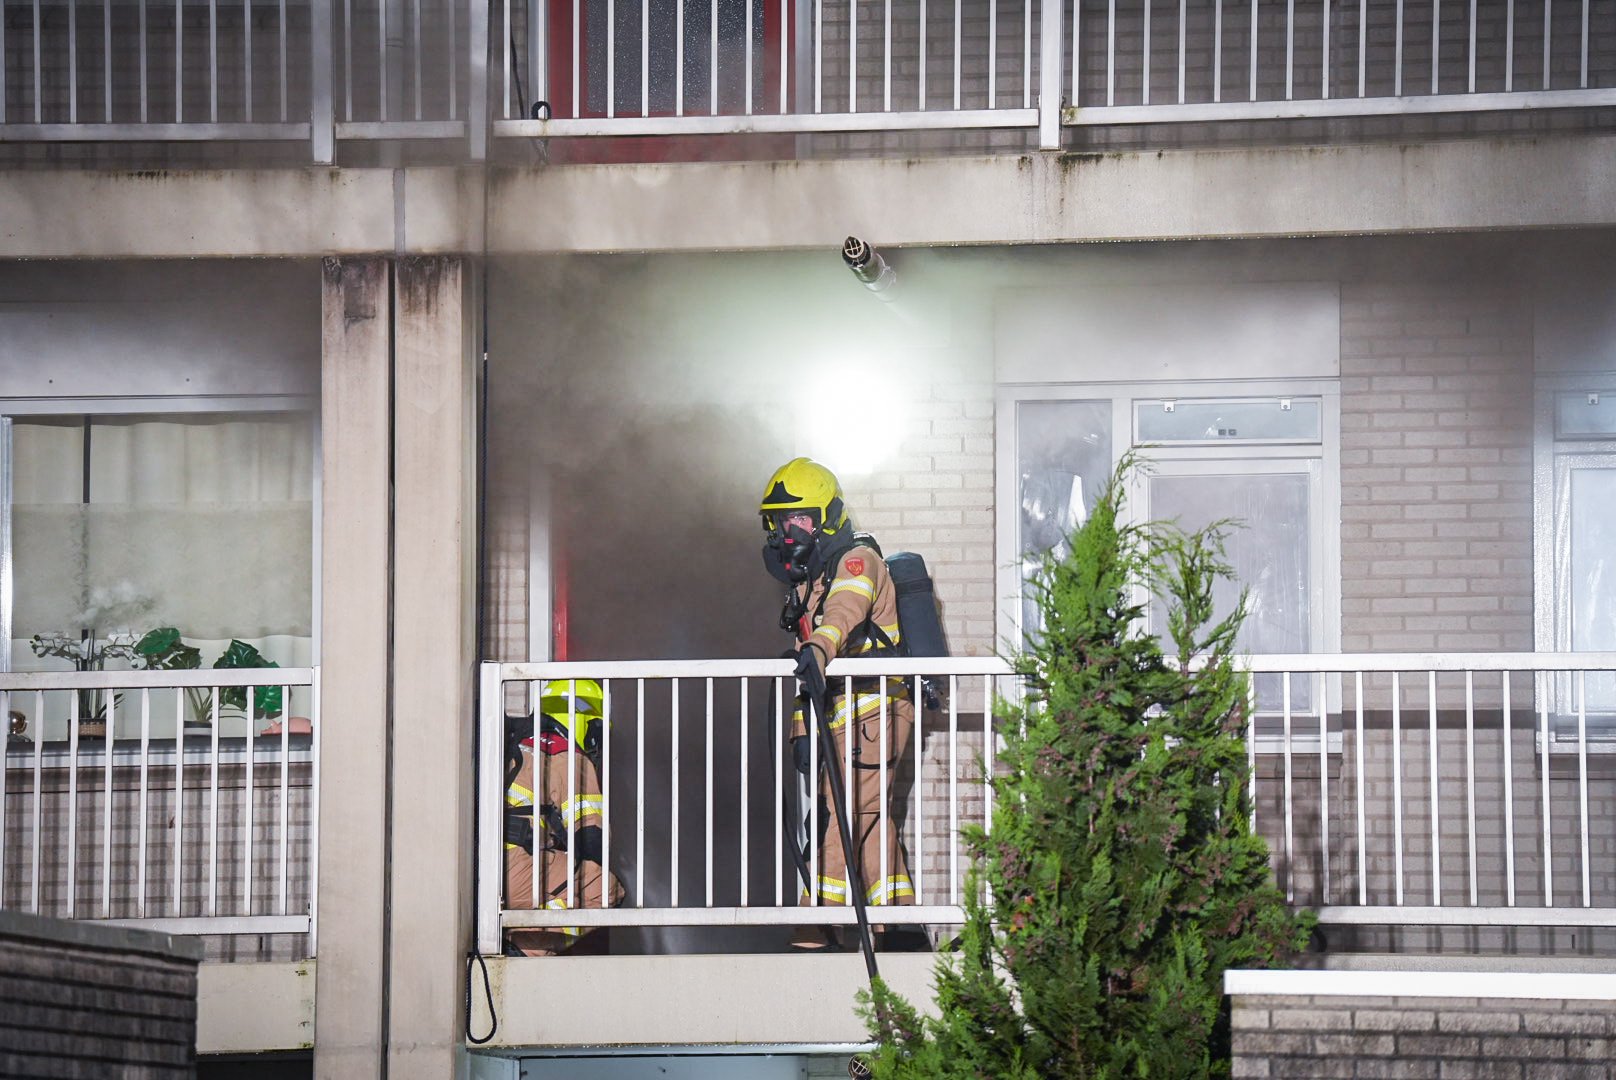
(58, 753)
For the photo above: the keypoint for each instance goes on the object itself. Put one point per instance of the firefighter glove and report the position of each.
(809, 680)
(590, 843)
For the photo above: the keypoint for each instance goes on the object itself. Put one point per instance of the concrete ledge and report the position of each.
(251, 1008)
(1450, 963)
(1061, 198)
(711, 1001)
(81, 934)
(1560, 181)
(1537, 986)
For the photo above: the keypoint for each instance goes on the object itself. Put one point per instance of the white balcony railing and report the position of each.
(1450, 789)
(1465, 789)
(146, 798)
(318, 71)
(695, 773)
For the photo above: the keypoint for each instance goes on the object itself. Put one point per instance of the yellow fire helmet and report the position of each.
(573, 705)
(580, 697)
(799, 485)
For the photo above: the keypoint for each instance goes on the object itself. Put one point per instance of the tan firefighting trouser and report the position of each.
(885, 867)
(588, 885)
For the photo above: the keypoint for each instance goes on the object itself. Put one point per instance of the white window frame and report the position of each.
(1553, 458)
(1320, 459)
(189, 404)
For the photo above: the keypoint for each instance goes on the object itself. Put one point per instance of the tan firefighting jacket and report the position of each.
(860, 590)
(580, 810)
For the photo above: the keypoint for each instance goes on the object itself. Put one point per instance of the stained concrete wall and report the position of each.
(356, 544)
(170, 328)
(1342, 189)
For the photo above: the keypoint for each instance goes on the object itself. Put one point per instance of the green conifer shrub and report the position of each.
(1121, 875)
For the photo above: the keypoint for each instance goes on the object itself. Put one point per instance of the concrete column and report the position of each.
(433, 659)
(355, 433)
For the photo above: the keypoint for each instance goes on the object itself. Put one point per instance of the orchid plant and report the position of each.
(87, 652)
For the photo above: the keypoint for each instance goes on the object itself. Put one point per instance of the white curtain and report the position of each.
(200, 522)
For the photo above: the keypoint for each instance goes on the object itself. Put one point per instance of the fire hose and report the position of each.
(816, 693)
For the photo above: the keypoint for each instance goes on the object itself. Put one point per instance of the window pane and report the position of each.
(1063, 458)
(1592, 588)
(1288, 420)
(46, 526)
(1593, 560)
(1584, 415)
(203, 523)
(1268, 549)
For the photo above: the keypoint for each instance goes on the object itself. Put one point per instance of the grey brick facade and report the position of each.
(1286, 1036)
(78, 1000)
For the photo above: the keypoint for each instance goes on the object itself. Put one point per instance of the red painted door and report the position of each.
(578, 40)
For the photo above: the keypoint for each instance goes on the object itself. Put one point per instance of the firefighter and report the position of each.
(842, 603)
(543, 814)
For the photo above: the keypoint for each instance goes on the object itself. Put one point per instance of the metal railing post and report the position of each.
(490, 808)
(538, 55)
(1049, 74)
(477, 103)
(322, 119)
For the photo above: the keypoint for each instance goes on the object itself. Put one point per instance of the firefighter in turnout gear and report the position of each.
(555, 818)
(842, 603)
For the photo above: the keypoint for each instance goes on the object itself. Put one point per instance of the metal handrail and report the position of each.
(148, 884)
(1476, 720)
(460, 70)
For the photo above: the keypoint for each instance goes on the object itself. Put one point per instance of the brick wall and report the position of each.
(1417, 1037)
(85, 1000)
(1436, 467)
(936, 497)
(1437, 555)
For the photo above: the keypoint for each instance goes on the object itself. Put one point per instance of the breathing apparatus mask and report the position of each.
(789, 541)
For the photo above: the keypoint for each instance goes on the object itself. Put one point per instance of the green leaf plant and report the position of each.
(266, 699)
(1121, 877)
(163, 649)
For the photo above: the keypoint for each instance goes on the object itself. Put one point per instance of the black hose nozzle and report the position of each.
(868, 266)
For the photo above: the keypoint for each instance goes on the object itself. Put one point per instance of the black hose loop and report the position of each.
(488, 991)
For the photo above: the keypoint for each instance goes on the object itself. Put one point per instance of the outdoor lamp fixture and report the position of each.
(868, 266)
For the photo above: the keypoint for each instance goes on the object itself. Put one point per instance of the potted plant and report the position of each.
(266, 699)
(163, 649)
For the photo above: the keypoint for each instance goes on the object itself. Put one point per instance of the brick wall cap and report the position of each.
(1556, 985)
(37, 929)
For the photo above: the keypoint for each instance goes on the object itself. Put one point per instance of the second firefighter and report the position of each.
(554, 816)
